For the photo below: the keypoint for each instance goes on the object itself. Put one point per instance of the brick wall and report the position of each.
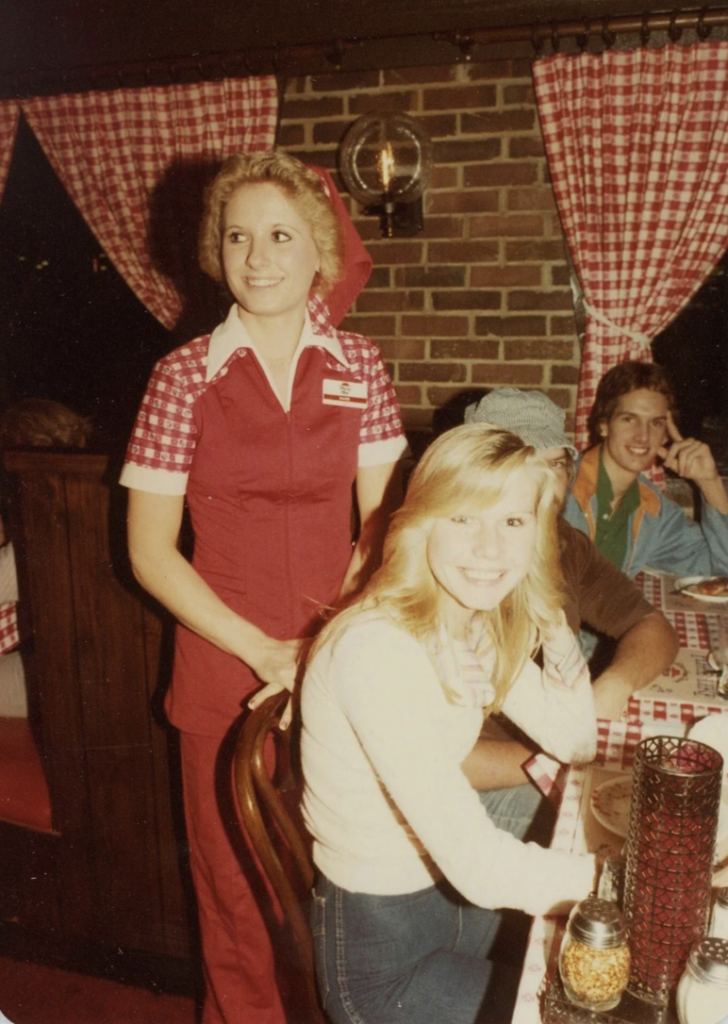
(481, 298)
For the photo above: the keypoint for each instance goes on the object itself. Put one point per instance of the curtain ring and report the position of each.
(608, 36)
(555, 41)
(466, 43)
(674, 31)
(335, 53)
(582, 40)
(645, 31)
(536, 40)
(701, 28)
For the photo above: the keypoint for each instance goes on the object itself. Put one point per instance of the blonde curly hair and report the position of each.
(301, 185)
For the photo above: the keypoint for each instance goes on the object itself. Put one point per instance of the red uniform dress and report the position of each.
(269, 491)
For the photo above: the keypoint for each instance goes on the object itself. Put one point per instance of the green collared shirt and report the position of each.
(612, 526)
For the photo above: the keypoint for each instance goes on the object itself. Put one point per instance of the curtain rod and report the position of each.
(332, 55)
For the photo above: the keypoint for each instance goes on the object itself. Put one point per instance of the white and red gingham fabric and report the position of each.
(9, 636)
(9, 111)
(637, 145)
(113, 149)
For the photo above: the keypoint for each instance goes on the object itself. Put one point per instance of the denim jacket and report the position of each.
(660, 534)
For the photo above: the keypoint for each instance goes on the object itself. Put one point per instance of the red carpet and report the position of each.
(31, 994)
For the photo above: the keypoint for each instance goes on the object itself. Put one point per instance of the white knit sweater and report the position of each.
(385, 797)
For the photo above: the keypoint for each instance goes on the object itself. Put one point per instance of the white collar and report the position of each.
(231, 335)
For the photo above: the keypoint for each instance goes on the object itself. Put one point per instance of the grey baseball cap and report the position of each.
(529, 414)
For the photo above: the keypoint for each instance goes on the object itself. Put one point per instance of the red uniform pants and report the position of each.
(234, 901)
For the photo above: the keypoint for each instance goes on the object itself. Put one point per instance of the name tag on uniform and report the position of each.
(345, 392)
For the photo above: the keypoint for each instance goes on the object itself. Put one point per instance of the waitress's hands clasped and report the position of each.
(277, 664)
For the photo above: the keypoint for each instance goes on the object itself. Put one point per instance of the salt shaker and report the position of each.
(594, 956)
(702, 994)
(719, 917)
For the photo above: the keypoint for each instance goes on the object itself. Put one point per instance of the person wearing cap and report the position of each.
(597, 594)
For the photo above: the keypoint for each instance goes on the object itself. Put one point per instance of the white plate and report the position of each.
(687, 584)
(610, 804)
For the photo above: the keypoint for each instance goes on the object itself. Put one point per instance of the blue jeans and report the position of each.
(415, 958)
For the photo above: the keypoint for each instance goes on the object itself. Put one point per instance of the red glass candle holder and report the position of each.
(670, 847)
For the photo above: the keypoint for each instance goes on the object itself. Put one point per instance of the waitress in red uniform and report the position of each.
(266, 428)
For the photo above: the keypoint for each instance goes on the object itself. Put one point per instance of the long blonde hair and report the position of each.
(469, 466)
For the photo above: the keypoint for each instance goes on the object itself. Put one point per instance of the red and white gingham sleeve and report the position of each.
(381, 437)
(162, 444)
(9, 637)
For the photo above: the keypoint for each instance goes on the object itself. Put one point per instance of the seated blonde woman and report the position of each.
(412, 868)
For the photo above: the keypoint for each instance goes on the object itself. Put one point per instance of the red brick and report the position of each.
(546, 350)
(344, 81)
(444, 177)
(505, 277)
(420, 76)
(562, 325)
(560, 275)
(498, 69)
(504, 227)
(462, 252)
(327, 158)
(382, 102)
(518, 300)
(519, 94)
(474, 201)
(441, 396)
(459, 96)
(430, 277)
(322, 106)
(560, 396)
(408, 395)
(467, 349)
(564, 374)
(402, 348)
(370, 325)
(511, 326)
(291, 135)
(449, 326)
(466, 300)
(521, 146)
(443, 227)
(431, 371)
(500, 174)
(296, 85)
(498, 121)
(467, 150)
(380, 277)
(388, 252)
(329, 131)
(537, 198)
(535, 251)
(506, 373)
(389, 302)
(439, 125)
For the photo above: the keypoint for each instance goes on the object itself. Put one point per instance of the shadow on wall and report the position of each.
(175, 214)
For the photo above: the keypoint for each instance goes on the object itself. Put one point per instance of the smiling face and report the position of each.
(478, 555)
(633, 435)
(268, 254)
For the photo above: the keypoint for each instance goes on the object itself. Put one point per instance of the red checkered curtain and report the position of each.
(637, 145)
(9, 111)
(115, 150)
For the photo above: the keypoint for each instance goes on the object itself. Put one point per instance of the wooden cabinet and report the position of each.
(98, 654)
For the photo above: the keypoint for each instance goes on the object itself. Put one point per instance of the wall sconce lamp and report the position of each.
(385, 161)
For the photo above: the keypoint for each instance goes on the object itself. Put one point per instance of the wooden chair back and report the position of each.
(268, 808)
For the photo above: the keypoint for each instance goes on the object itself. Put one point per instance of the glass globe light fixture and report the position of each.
(385, 160)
